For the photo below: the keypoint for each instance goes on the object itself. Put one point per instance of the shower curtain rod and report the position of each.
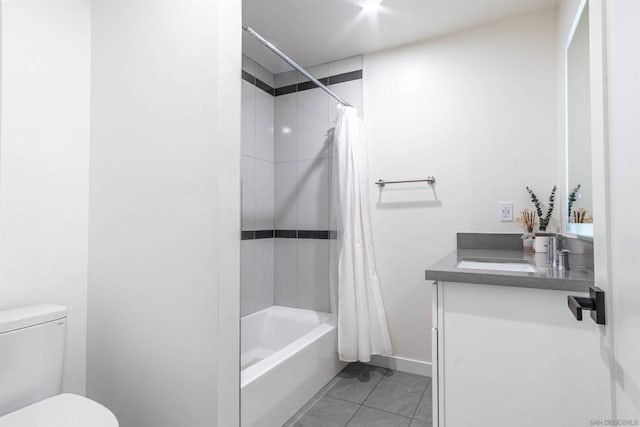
(291, 62)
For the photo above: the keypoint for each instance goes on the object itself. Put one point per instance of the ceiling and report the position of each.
(313, 32)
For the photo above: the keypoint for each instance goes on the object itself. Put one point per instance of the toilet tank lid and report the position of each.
(24, 317)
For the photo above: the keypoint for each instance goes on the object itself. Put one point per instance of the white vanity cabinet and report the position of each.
(506, 356)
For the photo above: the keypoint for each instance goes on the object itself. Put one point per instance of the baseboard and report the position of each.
(402, 364)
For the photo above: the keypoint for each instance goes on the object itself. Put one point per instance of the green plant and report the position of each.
(572, 199)
(543, 219)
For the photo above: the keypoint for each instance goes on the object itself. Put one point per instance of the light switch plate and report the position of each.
(505, 211)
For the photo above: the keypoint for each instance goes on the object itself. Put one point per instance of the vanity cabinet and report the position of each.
(507, 356)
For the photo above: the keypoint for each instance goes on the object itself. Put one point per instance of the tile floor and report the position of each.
(367, 396)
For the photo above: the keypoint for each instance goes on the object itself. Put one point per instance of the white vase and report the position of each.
(541, 244)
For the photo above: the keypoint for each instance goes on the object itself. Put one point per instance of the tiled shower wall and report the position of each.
(257, 167)
(301, 160)
(302, 174)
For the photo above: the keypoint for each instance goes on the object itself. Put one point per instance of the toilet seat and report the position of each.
(62, 410)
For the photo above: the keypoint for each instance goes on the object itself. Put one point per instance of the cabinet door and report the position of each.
(435, 354)
(517, 357)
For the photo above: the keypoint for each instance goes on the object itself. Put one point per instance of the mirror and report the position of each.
(579, 185)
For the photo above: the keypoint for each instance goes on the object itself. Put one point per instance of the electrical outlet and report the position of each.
(505, 211)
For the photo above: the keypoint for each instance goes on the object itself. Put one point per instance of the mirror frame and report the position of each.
(584, 231)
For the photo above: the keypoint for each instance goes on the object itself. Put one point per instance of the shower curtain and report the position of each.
(362, 325)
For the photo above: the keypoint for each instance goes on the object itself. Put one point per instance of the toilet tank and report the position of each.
(32, 343)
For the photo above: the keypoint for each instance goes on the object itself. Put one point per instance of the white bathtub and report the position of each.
(287, 356)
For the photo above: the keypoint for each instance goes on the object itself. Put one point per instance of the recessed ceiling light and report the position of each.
(371, 6)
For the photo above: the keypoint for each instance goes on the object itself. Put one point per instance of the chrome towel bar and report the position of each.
(429, 180)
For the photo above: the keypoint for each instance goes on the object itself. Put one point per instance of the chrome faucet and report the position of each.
(552, 252)
(563, 260)
(557, 259)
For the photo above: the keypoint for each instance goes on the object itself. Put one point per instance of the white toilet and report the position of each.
(32, 341)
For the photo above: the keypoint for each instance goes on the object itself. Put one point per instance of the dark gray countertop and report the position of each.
(446, 270)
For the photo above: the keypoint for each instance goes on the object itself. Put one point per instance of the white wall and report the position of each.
(164, 212)
(44, 164)
(477, 109)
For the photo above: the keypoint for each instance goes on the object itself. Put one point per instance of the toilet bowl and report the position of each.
(62, 410)
(32, 342)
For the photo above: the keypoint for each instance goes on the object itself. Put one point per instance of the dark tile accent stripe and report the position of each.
(306, 86)
(286, 234)
(248, 77)
(344, 77)
(310, 85)
(265, 87)
(264, 234)
(284, 90)
(313, 234)
(331, 80)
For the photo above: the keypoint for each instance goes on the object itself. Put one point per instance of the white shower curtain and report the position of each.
(362, 325)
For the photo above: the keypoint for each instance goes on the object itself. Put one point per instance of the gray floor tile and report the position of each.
(292, 421)
(355, 382)
(399, 393)
(328, 412)
(313, 401)
(425, 408)
(370, 417)
(416, 423)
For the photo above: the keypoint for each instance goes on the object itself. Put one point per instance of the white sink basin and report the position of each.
(522, 267)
